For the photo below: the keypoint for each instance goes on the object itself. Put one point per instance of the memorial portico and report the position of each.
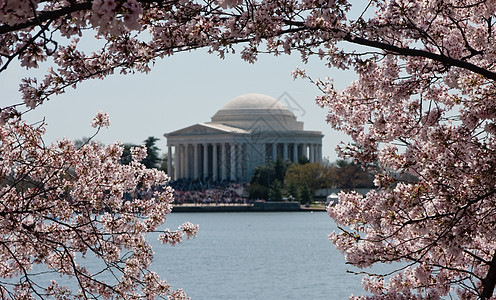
(250, 130)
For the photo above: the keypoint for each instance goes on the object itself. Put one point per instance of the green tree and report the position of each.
(292, 191)
(306, 195)
(309, 175)
(303, 160)
(329, 177)
(266, 176)
(152, 159)
(257, 191)
(263, 175)
(280, 167)
(126, 157)
(275, 192)
(163, 163)
(351, 175)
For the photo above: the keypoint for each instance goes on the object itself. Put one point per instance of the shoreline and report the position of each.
(255, 207)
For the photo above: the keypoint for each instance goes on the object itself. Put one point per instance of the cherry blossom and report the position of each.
(101, 120)
(58, 201)
(422, 111)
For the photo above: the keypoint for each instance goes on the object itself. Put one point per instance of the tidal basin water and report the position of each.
(283, 255)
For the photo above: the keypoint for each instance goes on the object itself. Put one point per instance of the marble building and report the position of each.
(250, 130)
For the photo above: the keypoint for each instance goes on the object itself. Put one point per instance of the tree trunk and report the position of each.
(490, 281)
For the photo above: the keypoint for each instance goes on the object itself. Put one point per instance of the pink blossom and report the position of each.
(101, 120)
(62, 200)
(422, 111)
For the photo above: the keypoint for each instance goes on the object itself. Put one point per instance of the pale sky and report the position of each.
(182, 90)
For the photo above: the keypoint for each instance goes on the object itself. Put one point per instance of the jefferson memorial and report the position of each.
(249, 131)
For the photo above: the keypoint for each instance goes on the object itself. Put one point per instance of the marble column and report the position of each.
(314, 153)
(169, 161)
(317, 156)
(295, 152)
(317, 151)
(205, 161)
(195, 161)
(285, 151)
(233, 162)
(274, 151)
(320, 152)
(310, 153)
(177, 162)
(186, 161)
(223, 162)
(241, 161)
(214, 162)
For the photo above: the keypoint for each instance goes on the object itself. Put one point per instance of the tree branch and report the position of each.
(446, 60)
(404, 51)
(46, 16)
(490, 281)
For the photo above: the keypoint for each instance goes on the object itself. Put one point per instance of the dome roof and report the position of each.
(254, 101)
(250, 110)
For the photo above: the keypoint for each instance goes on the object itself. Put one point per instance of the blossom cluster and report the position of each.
(101, 120)
(423, 105)
(412, 115)
(61, 204)
(136, 32)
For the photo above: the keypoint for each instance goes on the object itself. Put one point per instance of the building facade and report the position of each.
(249, 131)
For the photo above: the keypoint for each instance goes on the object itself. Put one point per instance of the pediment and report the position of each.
(202, 129)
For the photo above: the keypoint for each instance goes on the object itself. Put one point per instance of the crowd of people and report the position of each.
(208, 193)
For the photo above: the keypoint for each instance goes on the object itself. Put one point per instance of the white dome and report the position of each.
(254, 101)
(250, 110)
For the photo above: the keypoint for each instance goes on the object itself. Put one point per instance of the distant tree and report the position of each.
(257, 191)
(309, 175)
(292, 190)
(306, 195)
(163, 163)
(275, 192)
(330, 176)
(126, 156)
(152, 159)
(263, 175)
(351, 175)
(303, 160)
(279, 169)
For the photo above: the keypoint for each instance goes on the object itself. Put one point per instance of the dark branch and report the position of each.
(446, 60)
(404, 51)
(490, 281)
(46, 16)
